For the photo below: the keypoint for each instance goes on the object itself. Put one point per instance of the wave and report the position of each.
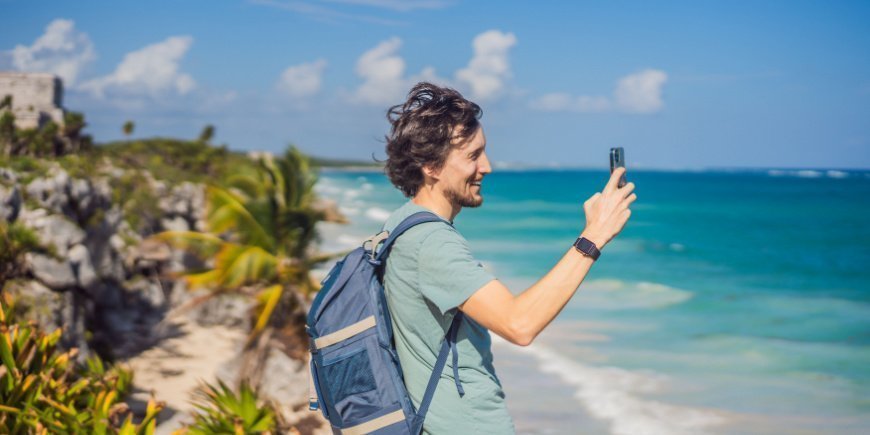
(808, 173)
(612, 294)
(377, 214)
(614, 395)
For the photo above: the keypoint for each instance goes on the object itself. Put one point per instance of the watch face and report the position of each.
(587, 248)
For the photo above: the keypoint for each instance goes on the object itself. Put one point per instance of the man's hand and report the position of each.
(607, 211)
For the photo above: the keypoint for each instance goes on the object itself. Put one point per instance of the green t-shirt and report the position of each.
(429, 273)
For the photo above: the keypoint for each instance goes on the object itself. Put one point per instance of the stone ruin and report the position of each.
(36, 97)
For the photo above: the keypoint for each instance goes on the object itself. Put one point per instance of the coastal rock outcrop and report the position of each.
(93, 254)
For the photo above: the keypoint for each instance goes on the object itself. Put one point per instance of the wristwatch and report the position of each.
(587, 248)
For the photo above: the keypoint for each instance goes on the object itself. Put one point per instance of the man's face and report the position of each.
(463, 171)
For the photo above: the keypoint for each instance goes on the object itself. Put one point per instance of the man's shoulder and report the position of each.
(428, 231)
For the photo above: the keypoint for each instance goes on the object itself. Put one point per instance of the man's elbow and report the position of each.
(520, 333)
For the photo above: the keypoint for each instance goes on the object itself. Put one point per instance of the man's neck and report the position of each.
(437, 203)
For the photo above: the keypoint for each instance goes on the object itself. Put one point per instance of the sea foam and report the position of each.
(614, 395)
(377, 214)
(613, 294)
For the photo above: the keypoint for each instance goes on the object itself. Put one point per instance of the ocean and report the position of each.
(732, 302)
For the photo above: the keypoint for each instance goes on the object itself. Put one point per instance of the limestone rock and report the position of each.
(56, 230)
(330, 211)
(228, 310)
(83, 268)
(176, 223)
(57, 275)
(8, 175)
(10, 203)
(51, 192)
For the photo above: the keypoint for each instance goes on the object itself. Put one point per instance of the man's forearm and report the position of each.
(538, 305)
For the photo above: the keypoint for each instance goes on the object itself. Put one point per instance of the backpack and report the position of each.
(356, 377)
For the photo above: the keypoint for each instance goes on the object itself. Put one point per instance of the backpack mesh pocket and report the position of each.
(350, 374)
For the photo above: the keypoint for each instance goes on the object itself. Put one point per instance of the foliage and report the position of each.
(128, 128)
(260, 230)
(73, 123)
(222, 411)
(323, 162)
(15, 241)
(174, 160)
(43, 390)
(7, 132)
(206, 134)
(47, 140)
(139, 203)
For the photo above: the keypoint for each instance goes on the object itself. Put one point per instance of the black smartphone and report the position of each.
(617, 160)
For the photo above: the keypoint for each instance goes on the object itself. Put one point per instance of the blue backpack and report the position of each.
(356, 378)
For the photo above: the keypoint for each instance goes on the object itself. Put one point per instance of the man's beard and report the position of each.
(462, 200)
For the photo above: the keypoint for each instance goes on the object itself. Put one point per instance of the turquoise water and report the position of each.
(731, 302)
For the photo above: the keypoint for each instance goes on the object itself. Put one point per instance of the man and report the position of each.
(436, 155)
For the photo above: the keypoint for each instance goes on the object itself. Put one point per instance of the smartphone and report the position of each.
(617, 160)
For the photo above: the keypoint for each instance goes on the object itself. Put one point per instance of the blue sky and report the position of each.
(678, 84)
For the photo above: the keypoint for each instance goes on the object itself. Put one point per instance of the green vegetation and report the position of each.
(260, 230)
(206, 134)
(322, 162)
(174, 160)
(15, 241)
(222, 411)
(43, 390)
(47, 140)
(261, 222)
(128, 128)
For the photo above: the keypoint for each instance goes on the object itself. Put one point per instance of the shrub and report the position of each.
(43, 390)
(221, 410)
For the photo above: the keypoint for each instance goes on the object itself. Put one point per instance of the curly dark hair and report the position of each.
(422, 132)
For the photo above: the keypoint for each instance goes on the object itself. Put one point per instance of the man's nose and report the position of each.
(485, 167)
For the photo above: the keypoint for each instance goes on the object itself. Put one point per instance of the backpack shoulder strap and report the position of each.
(448, 345)
(408, 223)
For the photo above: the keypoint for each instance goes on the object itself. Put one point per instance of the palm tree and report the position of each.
(128, 128)
(260, 229)
(206, 134)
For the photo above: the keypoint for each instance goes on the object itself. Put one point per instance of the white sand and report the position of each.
(173, 369)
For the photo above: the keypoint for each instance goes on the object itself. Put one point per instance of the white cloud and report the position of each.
(60, 50)
(304, 79)
(151, 70)
(382, 72)
(640, 92)
(489, 69)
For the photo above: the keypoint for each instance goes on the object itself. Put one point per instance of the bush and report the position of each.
(43, 390)
(15, 241)
(221, 410)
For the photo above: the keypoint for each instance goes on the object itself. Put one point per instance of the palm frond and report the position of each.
(201, 244)
(227, 212)
(245, 264)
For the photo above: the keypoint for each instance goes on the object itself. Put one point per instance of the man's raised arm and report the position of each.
(519, 319)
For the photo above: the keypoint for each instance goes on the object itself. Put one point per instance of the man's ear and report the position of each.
(430, 173)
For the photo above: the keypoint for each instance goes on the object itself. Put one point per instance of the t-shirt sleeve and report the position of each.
(448, 273)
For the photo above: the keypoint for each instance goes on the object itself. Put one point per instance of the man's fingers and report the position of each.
(614, 179)
(629, 199)
(626, 190)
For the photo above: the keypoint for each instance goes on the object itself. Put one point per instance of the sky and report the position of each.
(679, 85)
